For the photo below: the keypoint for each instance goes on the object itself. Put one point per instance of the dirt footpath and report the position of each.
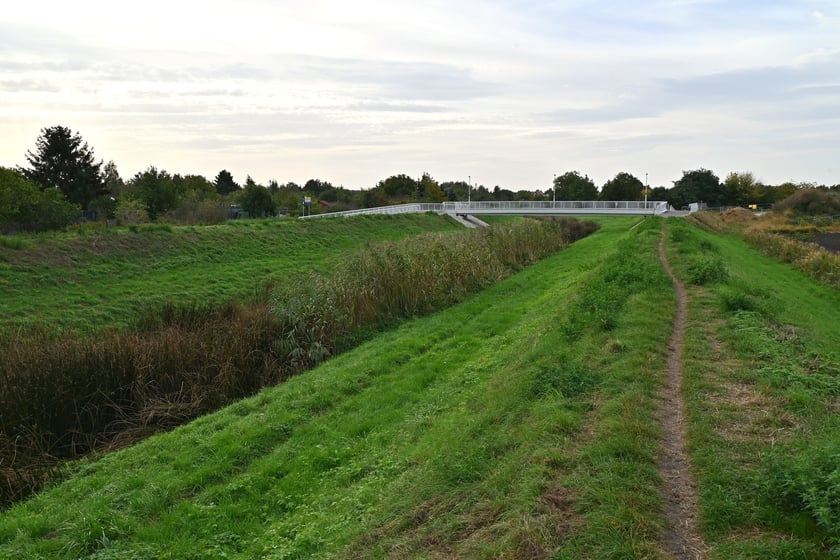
(682, 540)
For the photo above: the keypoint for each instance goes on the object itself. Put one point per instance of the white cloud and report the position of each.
(509, 92)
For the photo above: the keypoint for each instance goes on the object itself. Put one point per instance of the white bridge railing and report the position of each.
(519, 207)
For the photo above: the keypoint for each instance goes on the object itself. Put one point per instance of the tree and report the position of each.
(112, 180)
(429, 190)
(455, 190)
(196, 186)
(63, 160)
(700, 185)
(316, 186)
(623, 186)
(398, 186)
(257, 201)
(502, 194)
(225, 183)
(156, 190)
(744, 188)
(571, 186)
(24, 206)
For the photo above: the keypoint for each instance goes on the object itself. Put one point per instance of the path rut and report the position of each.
(682, 540)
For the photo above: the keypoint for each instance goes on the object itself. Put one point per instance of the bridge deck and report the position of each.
(517, 207)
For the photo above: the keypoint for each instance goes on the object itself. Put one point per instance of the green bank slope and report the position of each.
(762, 384)
(462, 434)
(91, 279)
(518, 424)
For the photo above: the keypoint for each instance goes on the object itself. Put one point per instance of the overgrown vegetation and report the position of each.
(66, 396)
(809, 202)
(806, 257)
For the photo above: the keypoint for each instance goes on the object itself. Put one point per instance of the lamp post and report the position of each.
(646, 189)
(554, 192)
(469, 190)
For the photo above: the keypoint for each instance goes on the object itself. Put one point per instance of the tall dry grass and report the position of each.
(66, 397)
(809, 258)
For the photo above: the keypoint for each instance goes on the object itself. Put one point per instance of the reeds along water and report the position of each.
(65, 396)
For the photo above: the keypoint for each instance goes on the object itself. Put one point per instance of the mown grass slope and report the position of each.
(86, 280)
(518, 424)
(465, 433)
(70, 395)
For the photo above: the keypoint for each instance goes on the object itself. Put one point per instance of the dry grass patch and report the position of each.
(750, 416)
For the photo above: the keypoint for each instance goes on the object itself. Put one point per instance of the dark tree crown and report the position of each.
(64, 161)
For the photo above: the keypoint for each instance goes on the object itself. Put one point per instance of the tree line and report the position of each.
(64, 183)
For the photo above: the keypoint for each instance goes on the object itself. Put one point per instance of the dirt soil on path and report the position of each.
(682, 540)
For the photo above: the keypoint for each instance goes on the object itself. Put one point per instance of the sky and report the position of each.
(495, 92)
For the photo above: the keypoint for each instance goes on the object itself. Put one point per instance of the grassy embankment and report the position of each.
(763, 388)
(87, 280)
(66, 396)
(518, 423)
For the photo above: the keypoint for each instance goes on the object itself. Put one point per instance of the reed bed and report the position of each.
(65, 397)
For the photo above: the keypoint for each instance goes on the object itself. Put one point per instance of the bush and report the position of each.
(195, 210)
(23, 206)
(131, 211)
(809, 202)
(703, 271)
(809, 481)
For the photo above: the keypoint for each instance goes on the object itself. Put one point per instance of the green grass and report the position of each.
(70, 395)
(459, 434)
(762, 384)
(520, 423)
(90, 280)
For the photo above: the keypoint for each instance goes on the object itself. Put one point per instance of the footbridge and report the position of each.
(516, 208)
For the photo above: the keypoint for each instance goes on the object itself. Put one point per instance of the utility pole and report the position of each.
(646, 189)
(554, 192)
(469, 190)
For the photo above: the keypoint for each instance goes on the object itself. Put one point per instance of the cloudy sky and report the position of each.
(502, 92)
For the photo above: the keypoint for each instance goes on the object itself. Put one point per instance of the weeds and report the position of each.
(12, 242)
(809, 481)
(704, 270)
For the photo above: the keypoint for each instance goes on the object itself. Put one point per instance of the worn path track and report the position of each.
(682, 540)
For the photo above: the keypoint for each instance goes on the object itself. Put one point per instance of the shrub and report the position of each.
(809, 481)
(809, 202)
(23, 206)
(703, 271)
(131, 211)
